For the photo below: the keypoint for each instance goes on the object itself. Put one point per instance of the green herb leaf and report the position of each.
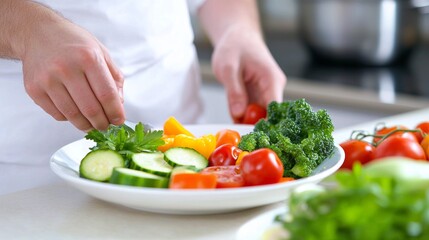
(126, 140)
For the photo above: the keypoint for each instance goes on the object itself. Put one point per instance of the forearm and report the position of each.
(19, 21)
(219, 16)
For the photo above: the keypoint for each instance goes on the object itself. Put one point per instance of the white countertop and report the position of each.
(58, 211)
(61, 212)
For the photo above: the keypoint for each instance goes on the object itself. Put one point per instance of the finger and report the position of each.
(279, 80)
(270, 88)
(230, 77)
(115, 71)
(43, 101)
(65, 104)
(81, 93)
(105, 89)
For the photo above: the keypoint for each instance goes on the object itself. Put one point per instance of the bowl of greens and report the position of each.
(386, 199)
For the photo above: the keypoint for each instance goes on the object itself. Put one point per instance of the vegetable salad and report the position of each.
(288, 142)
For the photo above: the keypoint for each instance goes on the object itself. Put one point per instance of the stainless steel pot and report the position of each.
(371, 32)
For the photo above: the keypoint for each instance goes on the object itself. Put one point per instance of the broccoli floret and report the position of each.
(301, 137)
(278, 111)
(248, 142)
(254, 140)
(263, 126)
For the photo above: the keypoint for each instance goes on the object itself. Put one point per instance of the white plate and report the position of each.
(65, 163)
(255, 228)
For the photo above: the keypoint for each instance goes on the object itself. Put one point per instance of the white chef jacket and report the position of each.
(150, 41)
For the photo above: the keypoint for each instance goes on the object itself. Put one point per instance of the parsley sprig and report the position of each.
(126, 140)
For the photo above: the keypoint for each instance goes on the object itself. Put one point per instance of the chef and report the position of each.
(71, 66)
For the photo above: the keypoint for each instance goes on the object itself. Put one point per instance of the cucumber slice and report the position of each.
(151, 162)
(98, 165)
(131, 177)
(180, 156)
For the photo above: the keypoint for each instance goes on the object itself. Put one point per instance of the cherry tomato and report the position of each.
(227, 176)
(399, 146)
(386, 130)
(224, 155)
(253, 113)
(424, 127)
(260, 167)
(227, 136)
(356, 151)
(193, 181)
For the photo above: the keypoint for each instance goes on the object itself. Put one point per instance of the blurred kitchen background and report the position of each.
(359, 59)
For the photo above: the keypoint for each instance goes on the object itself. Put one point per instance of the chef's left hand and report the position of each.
(244, 65)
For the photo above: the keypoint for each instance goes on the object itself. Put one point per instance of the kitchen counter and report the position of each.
(61, 212)
(58, 211)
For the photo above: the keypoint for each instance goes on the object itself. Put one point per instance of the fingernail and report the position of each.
(117, 121)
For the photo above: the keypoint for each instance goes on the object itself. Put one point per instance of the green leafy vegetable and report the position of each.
(126, 140)
(364, 205)
(301, 137)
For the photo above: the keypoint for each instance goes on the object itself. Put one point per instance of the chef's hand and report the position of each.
(69, 74)
(243, 64)
(241, 60)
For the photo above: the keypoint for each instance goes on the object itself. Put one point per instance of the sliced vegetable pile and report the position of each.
(387, 141)
(290, 144)
(386, 199)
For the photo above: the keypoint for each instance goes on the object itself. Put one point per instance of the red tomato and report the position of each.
(193, 181)
(227, 136)
(409, 135)
(260, 167)
(424, 127)
(399, 146)
(227, 176)
(253, 113)
(224, 155)
(386, 130)
(356, 151)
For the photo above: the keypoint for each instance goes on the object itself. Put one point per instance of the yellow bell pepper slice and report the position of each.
(205, 145)
(209, 145)
(168, 143)
(176, 135)
(173, 127)
(240, 157)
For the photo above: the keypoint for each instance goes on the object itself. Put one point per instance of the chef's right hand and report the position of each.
(70, 74)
